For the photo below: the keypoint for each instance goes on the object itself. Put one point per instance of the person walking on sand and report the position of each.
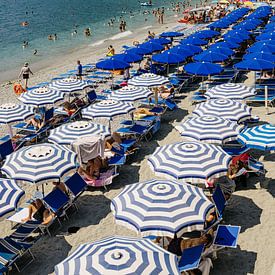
(25, 73)
(162, 15)
(79, 70)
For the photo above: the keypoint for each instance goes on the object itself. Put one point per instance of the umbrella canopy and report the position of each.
(186, 49)
(139, 50)
(11, 112)
(225, 108)
(221, 50)
(40, 163)
(131, 94)
(193, 162)
(41, 96)
(168, 57)
(128, 57)
(161, 208)
(231, 91)
(66, 134)
(266, 36)
(107, 109)
(148, 80)
(210, 129)
(238, 35)
(227, 44)
(151, 46)
(119, 255)
(255, 64)
(193, 40)
(262, 47)
(69, 85)
(10, 195)
(206, 34)
(260, 137)
(161, 40)
(210, 56)
(203, 68)
(171, 34)
(260, 55)
(235, 38)
(112, 64)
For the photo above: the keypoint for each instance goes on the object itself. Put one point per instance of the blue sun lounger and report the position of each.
(226, 236)
(190, 258)
(6, 148)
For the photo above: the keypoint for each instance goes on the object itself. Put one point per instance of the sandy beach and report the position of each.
(253, 208)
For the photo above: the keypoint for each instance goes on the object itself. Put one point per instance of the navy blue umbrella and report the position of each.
(153, 47)
(209, 56)
(193, 40)
(228, 44)
(168, 57)
(161, 40)
(255, 64)
(128, 57)
(112, 64)
(206, 34)
(171, 34)
(222, 50)
(262, 48)
(203, 68)
(260, 55)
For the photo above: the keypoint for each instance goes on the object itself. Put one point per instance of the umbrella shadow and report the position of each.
(270, 187)
(242, 211)
(237, 261)
(48, 252)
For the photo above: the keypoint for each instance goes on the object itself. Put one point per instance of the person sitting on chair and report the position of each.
(165, 92)
(36, 122)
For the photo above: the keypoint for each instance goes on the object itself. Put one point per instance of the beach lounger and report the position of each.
(235, 151)
(139, 131)
(261, 99)
(190, 258)
(226, 236)
(219, 201)
(6, 148)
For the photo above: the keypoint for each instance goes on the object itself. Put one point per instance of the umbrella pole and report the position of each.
(156, 96)
(266, 97)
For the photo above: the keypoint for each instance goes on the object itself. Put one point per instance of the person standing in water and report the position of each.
(79, 70)
(25, 73)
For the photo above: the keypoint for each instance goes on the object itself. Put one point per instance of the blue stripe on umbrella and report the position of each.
(161, 208)
(119, 255)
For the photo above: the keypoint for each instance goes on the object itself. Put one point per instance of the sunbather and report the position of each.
(39, 212)
(238, 173)
(61, 186)
(165, 92)
(36, 122)
(142, 112)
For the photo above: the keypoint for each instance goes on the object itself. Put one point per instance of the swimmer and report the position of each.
(25, 44)
(35, 52)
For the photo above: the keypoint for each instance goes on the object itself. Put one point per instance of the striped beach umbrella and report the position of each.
(41, 96)
(210, 129)
(40, 163)
(225, 108)
(107, 109)
(66, 134)
(131, 94)
(11, 112)
(119, 255)
(69, 85)
(10, 195)
(193, 162)
(233, 91)
(161, 208)
(148, 80)
(260, 137)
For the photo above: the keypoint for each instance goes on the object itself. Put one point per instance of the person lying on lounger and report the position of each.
(39, 212)
(36, 122)
(165, 92)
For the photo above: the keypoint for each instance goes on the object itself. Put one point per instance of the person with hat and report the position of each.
(25, 73)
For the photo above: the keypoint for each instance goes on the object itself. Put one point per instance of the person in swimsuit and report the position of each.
(111, 51)
(25, 73)
(93, 168)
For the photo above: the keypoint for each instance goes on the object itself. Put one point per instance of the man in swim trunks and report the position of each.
(79, 70)
(25, 73)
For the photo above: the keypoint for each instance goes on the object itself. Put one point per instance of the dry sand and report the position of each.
(252, 208)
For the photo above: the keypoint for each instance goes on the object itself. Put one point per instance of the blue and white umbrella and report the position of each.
(210, 129)
(225, 108)
(233, 91)
(66, 134)
(10, 195)
(107, 109)
(11, 112)
(260, 137)
(161, 208)
(69, 85)
(41, 96)
(131, 94)
(40, 163)
(119, 255)
(193, 162)
(148, 80)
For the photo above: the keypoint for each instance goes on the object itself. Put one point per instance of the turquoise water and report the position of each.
(60, 17)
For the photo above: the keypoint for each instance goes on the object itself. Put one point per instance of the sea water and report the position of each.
(63, 17)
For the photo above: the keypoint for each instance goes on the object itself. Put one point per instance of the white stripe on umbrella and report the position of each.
(161, 208)
(66, 134)
(193, 162)
(210, 129)
(225, 108)
(119, 255)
